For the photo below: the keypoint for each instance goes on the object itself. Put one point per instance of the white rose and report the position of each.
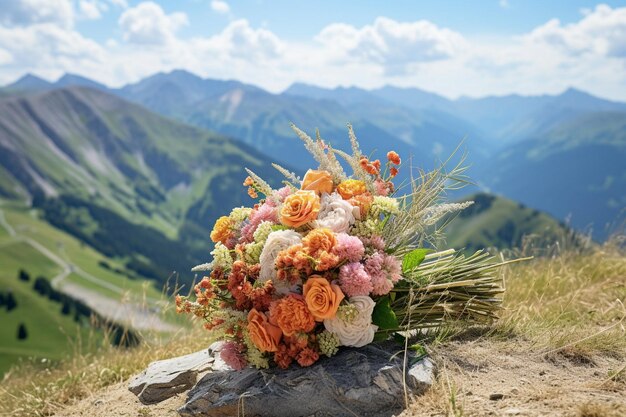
(360, 331)
(335, 213)
(276, 242)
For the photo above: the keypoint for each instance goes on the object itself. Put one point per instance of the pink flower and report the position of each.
(381, 187)
(354, 280)
(279, 196)
(384, 270)
(349, 248)
(266, 212)
(375, 242)
(381, 285)
(231, 353)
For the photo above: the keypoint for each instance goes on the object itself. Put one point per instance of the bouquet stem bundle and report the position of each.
(448, 286)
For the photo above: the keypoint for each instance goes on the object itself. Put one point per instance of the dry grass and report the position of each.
(567, 307)
(571, 302)
(42, 389)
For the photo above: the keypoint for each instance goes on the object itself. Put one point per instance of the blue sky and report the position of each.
(454, 48)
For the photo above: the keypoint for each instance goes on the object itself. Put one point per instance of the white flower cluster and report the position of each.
(221, 257)
(239, 214)
(276, 242)
(335, 214)
(359, 331)
(384, 205)
(262, 231)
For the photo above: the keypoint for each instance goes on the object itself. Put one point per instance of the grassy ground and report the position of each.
(27, 224)
(51, 335)
(558, 349)
(49, 331)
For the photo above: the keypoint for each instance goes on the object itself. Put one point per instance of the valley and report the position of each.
(109, 194)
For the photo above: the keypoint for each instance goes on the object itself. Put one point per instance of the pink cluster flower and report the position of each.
(375, 242)
(382, 188)
(266, 212)
(279, 196)
(232, 354)
(384, 270)
(349, 248)
(354, 280)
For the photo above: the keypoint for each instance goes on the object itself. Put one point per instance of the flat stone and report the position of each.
(166, 378)
(366, 382)
(421, 375)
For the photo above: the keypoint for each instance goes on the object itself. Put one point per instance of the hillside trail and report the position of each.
(469, 373)
(137, 316)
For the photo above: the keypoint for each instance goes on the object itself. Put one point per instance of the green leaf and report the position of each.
(384, 316)
(419, 350)
(381, 336)
(413, 259)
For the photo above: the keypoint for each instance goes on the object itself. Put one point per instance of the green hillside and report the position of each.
(107, 202)
(575, 170)
(53, 327)
(134, 185)
(498, 222)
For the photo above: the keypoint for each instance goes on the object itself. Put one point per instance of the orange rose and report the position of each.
(351, 188)
(221, 231)
(300, 208)
(292, 315)
(322, 297)
(264, 335)
(318, 181)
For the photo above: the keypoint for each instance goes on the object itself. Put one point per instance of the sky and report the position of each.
(454, 48)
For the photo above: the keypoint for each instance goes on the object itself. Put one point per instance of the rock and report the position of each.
(166, 378)
(496, 396)
(366, 382)
(421, 375)
(513, 411)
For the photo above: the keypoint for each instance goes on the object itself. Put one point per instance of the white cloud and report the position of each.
(49, 49)
(5, 57)
(240, 40)
(601, 31)
(148, 24)
(119, 3)
(394, 45)
(27, 12)
(504, 4)
(220, 6)
(90, 9)
(586, 54)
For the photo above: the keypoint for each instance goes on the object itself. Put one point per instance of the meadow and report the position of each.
(40, 250)
(558, 347)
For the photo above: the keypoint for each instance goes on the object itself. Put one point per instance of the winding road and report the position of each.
(139, 317)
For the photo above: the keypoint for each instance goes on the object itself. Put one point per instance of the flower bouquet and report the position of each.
(337, 260)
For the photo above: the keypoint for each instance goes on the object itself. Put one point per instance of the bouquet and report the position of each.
(333, 260)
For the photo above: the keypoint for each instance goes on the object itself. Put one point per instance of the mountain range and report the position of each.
(562, 154)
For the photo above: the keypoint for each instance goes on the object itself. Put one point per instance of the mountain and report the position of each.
(414, 98)
(494, 221)
(575, 170)
(509, 139)
(433, 133)
(28, 82)
(129, 182)
(73, 80)
(176, 93)
(515, 118)
(257, 117)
